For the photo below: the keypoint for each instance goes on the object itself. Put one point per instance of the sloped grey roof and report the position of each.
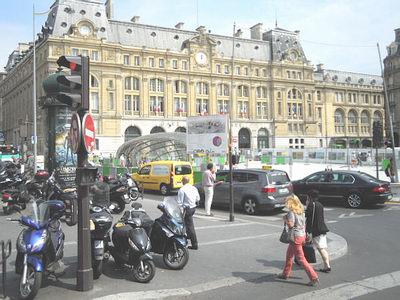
(348, 77)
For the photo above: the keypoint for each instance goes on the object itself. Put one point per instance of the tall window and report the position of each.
(223, 107)
(94, 83)
(318, 95)
(294, 94)
(94, 102)
(111, 105)
(132, 83)
(295, 110)
(223, 89)
(132, 104)
(352, 125)
(151, 62)
(218, 68)
(95, 55)
(202, 88)
(161, 62)
(157, 104)
(262, 109)
(184, 65)
(136, 60)
(156, 85)
(261, 92)
(75, 52)
(238, 70)
(132, 96)
(202, 106)
(174, 64)
(127, 60)
(243, 91)
(180, 87)
(226, 69)
(180, 106)
(365, 122)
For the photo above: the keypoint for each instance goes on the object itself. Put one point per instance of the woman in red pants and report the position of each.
(296, 222)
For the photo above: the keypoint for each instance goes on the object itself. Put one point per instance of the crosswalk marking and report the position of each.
(354, 289)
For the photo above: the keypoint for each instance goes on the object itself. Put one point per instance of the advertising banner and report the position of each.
(207, 134)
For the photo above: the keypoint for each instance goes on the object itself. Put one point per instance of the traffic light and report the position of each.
(377, 137)
(71, 89)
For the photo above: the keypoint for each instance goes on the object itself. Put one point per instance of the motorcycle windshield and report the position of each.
(41, 212)
(172, 208)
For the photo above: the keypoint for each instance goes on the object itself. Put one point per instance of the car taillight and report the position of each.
(379, 189)
(268, 189)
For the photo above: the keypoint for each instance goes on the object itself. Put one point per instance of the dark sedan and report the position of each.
(353, 189)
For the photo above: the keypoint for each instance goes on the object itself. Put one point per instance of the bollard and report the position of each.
(5, 253)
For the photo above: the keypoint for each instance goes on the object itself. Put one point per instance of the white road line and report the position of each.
(240, 239)
(222, 226)
(331, 221)
(266, 218)
(353, 289)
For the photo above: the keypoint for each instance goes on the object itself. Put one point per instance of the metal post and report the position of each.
(84, 278)
(376, 162)
(34, 96)
(396, 174)
(231, 203)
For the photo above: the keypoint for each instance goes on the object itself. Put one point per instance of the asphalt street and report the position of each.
(238, 260)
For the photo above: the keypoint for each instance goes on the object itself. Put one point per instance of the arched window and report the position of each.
(262, 138)
(202, 88)
(294, 94)
(132, 83)
(180, 129)
(94, 83)
(180, 87)
(339, 121)
(132, 132)
(157, 129)
(223, 89)
(352, 117)
(156, 85)
(365, 117)
(243, 91)
(244, 138)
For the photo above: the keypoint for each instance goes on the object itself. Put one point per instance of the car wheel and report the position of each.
(250, 206)
(164, 189)
(354, 200)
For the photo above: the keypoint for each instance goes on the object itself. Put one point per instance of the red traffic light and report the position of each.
(74, 63)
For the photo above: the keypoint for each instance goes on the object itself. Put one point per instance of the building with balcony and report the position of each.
(147, 79)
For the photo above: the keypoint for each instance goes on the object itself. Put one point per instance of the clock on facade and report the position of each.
(201, 58)
(84, 30)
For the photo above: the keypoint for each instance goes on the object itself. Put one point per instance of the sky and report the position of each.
(341, 34)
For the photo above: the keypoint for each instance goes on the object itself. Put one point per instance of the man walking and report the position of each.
(188, 197)
(316, 227)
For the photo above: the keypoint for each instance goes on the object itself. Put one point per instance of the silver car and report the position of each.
(254, 190)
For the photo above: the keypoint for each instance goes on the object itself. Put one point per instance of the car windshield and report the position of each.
(172, 208)
(369, 177)
(277, 177)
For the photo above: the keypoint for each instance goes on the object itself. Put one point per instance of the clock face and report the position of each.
(201, 58)
(84, 30)
(293, 55)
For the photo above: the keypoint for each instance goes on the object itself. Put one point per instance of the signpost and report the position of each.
(89, 136)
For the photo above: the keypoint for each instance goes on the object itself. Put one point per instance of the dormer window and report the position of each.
(335, 78)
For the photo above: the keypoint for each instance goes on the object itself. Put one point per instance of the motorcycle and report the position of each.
(13, 201)
(131, 246)
(40, 246)
(118, 194)
(100, 225)
(133, 190)
(168, 235)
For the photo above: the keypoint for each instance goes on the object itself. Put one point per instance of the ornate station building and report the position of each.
(147, 79)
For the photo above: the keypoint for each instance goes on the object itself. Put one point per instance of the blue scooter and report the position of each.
(40, 246)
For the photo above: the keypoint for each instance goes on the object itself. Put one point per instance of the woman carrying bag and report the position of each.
(296, 222)
(316, 228)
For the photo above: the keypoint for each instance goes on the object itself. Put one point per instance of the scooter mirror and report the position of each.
(112, 206)
(161, 206)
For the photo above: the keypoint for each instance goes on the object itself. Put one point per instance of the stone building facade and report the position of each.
(147, 79)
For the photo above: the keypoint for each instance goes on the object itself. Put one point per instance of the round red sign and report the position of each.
(88, 132)
(75, 133)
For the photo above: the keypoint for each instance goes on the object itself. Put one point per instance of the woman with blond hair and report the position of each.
(296, 222)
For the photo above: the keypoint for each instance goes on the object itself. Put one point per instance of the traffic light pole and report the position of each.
(85, 272)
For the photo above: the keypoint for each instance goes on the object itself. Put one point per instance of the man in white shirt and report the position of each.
(188, 196)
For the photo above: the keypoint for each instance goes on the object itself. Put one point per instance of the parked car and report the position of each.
(253, 190)
(164, 176)
(352, 188)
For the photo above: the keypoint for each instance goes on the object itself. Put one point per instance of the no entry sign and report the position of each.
(75, 133)
(89, 135)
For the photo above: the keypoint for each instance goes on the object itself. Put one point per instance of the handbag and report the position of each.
(285, 235)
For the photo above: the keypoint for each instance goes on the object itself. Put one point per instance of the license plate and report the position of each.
(98, 244)
(126, 197)
(283, 191)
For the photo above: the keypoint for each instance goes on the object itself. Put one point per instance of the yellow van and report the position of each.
(164, 176)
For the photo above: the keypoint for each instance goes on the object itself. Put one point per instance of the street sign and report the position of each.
(89, 135)
(75, 133)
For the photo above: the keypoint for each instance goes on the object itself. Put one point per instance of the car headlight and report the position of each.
(21, 246)
(40, 241)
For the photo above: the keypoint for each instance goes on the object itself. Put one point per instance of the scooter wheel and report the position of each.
(178, 259)
(119, 206)
(147, 273)
(133, 194)
(33, 283)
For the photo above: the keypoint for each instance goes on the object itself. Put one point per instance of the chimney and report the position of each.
(135, 19)
(320, 67)
(397, 35)
(109, 9)
(179, 25)
(255, 31)
(239, 33)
